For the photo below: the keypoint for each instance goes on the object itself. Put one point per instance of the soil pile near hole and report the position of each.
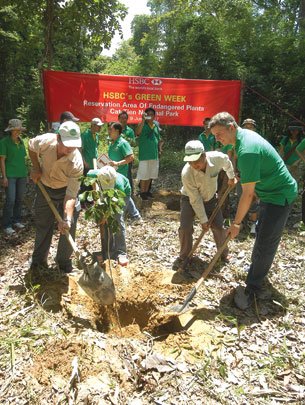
(56, 359)
(140, 297)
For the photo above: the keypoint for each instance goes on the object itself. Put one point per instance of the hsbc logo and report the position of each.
(156, 82)
(143, 81)
(138, 80)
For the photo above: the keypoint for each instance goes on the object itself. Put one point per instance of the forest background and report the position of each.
(259, 42)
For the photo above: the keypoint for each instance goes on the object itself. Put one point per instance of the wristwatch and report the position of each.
(69, 221)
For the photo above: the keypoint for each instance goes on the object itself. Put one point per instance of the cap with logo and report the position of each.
(97, 121)
(13, 124)
(69, 132)
(193, 151)
(107, 176)
(67, 116)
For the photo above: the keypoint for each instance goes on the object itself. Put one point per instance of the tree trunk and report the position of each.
(302, 16)
(48, 20)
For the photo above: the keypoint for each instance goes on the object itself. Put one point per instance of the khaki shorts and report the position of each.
(148, 169)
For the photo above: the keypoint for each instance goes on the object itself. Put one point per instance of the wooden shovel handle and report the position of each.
(213, 262)
(58, 217)
(204, 275)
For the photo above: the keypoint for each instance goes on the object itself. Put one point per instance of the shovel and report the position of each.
(179, 308)
(94, 280)
(210, 221)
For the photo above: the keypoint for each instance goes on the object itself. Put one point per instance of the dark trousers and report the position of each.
(271, 222)
(186, 229)
(45, 223)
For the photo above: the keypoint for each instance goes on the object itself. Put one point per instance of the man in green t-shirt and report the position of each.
(150, 145)
(206, 138)
(14, 175)
(262, 172)
(90, 143)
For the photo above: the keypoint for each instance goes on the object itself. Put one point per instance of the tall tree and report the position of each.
(259, 42)
(55, 34)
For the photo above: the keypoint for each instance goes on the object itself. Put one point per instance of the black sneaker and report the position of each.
(244, 297)
(149, 194)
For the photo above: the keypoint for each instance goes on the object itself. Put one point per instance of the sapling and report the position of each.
(105, 207)
(106, 204)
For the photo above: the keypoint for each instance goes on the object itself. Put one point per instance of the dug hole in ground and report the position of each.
(58, 346)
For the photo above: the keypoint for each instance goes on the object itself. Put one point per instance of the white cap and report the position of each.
(97, 121)
(193, 151)
(69, 132)
(107, 176)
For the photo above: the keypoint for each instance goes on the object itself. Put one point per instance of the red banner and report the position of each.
(176, 101)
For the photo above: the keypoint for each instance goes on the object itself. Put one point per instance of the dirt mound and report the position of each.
(56, 358)
(140, 297)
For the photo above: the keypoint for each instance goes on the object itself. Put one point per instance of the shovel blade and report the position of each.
(97, 284)
(178, 309)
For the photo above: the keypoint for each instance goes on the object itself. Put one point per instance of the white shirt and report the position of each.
(201, 186)
(57, 173)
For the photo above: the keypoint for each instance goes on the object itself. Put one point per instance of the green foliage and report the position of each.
(124, 62)
(261, 43)
(106, 204)
(39, 34)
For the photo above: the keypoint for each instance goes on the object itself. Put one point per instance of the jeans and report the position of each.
(271, 222)
(14, 197)
(45, 224)
(131, 208)
(117, 241)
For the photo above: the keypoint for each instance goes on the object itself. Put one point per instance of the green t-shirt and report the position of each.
(148, 142)
(209, 142)
(259, 162)
(288, 145)
(301, 146)
(128, 134)
(225, 148)
(122, 183)
(118, 150)
(15, 154)
(89, 147)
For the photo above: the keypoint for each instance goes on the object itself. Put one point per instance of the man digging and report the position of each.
(58, 164)
(262, 172)
(199, 185)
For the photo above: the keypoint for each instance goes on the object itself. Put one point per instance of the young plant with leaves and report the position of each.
(106, 204)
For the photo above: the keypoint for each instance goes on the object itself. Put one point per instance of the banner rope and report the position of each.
(275, 105)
